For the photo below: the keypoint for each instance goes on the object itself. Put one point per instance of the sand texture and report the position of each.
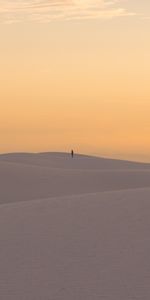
(73, 229)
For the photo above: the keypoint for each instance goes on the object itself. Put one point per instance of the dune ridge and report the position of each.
(30, 176)
(73, 229)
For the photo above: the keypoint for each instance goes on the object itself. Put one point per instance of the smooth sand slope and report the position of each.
(73, 229)
(33, 176)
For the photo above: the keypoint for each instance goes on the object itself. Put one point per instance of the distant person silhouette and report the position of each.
(72, 153)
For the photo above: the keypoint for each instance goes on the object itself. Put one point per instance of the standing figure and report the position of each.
(72, 153)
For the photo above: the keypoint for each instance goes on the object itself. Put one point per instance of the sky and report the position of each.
(75, 74)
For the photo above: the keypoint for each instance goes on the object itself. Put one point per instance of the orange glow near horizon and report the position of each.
(81, 84)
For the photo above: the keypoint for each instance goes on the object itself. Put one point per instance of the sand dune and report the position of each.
(31, 176)
(79, 247)
(62, 160)
(73, 229)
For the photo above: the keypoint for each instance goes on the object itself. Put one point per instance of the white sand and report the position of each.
(83, 234)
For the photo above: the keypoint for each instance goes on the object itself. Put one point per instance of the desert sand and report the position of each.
(73, 229)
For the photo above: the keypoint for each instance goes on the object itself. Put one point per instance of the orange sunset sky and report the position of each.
(75, 74)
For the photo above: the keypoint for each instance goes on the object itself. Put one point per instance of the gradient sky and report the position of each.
(75, 74)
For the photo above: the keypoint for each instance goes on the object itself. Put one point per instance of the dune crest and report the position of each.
(73, 228)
